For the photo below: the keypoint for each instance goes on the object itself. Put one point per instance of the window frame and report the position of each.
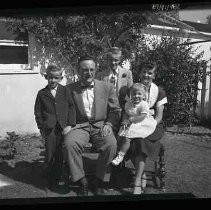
(19, 68)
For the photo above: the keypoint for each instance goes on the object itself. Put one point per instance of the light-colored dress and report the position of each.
(140, 129)
(150, 145)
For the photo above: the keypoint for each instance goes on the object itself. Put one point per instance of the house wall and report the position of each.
(17, 97)
(18, 90)
(204, 93)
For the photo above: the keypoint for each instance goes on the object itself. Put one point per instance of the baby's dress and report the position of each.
(140, 129)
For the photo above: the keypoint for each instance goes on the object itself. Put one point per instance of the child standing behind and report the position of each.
(137, 122)
(55, 115)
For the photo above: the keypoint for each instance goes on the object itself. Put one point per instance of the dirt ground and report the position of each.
(187, 157)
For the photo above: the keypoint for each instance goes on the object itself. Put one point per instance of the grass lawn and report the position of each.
(188, 167)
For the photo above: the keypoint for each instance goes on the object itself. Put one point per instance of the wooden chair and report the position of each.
(157, 175)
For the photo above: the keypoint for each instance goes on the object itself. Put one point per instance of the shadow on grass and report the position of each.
(26, 172)
(32, 173)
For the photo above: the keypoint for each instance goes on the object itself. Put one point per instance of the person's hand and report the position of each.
(106, 130)
(66, 130)
(125, 123)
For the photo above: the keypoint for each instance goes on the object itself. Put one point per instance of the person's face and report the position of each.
(113, 61)
(53, 79)
(137, 96)
(147, 76)
(87, 69)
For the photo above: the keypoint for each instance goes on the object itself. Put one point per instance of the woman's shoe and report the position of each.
(137, 190)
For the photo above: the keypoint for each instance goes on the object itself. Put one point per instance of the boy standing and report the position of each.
(55, 115)
(121, 78)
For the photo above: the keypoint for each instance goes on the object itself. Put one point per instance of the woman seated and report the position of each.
(148, 147)
(137, 121)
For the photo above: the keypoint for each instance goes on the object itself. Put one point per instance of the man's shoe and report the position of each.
(94, 184)
(98, 187)
(83, 191)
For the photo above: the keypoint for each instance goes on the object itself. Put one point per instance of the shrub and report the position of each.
(179, 71)
(7, 146)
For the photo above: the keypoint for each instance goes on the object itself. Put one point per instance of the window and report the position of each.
(14, 51)
(13, 54)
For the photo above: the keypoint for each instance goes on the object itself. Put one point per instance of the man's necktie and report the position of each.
(53, 92)
(87, 86)
(112, 80)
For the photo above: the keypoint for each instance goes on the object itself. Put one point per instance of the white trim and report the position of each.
(17, 68)
(5, 42)
(18, 71)
(161, 102)
(163, 27)
(178, 29)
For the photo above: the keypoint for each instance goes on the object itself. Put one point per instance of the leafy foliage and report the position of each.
(7, 146)
(69, 37)
(65, 38)
(179, 72)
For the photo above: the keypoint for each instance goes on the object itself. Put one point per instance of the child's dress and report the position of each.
(140, 129)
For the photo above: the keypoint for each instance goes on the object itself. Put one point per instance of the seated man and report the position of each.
(97, 111)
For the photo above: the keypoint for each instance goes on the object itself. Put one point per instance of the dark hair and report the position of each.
(147, 65)
(85, 58)
(53, 68)
(114, 50)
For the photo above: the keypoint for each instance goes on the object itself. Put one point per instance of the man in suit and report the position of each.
(115, 74)
(55, 115)
(97, 112)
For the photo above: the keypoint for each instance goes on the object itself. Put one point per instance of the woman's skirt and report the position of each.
(150, 145)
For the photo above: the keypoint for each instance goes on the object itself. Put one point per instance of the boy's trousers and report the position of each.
(54, 156)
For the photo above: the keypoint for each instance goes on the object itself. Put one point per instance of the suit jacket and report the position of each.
(124, 82)
(49, 110)
(106, 105)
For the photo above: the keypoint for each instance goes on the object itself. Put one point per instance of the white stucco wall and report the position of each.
(206, 47)
(17, 97)
(18, 91)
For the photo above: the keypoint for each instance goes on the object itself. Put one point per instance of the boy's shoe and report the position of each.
(119, 158)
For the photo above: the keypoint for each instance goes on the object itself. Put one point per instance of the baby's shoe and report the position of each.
(119, 158)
